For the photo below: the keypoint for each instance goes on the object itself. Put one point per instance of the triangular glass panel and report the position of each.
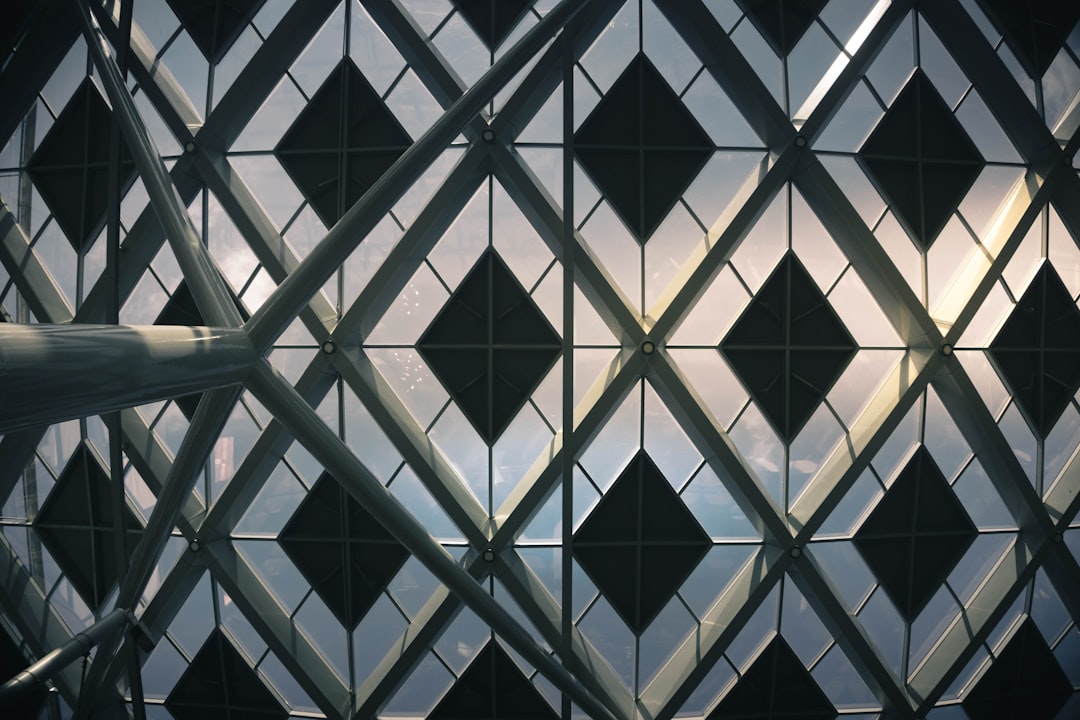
(642, 147)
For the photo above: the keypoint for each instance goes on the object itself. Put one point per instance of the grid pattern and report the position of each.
(485, 597)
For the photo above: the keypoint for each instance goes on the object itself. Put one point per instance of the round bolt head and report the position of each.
(800, 141)
(488, 135)
(648, 347)
(489, 555)
(946, 349)
(194, 546)
(795, 552)
(329, 347)
(190, 147)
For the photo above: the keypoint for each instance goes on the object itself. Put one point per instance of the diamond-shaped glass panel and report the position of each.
(490, 346)
(788, 347)
(492, 19)
(782, 22)
(1035, 30)
(1037, 350)
(182, 310)
(1024, 681)
(775, 686)
(341, 143)
(640, 543)
(492, 688)
(220, 683)
(344, 552)
(916, 535)
(77, 525)
(215, 25)
(921, 159)
(642, 147)
(70, 168)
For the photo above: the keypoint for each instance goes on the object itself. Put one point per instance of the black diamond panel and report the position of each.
(777, 685)
(182, 310)
(219, 683)
(921, 159)
(782, 22)
(1025, 681)
(1035, 30)
(492, 688)
(70, 168)
(492, 20)
(346, 555)
(640, 543)
(642, 147)
(77, 525)
(788, 347)
(916, 535)
(490, 346)
(341, 143)
(1037, 350)
(215, 25)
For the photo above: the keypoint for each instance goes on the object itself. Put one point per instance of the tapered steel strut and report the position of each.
(52, 373)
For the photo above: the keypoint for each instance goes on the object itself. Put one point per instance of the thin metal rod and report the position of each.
(283, 305)
(113, 624)
(280, 398)
(203, 278)
(44, 369)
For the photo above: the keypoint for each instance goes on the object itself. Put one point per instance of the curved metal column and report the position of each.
(109, 626)
(51, 373)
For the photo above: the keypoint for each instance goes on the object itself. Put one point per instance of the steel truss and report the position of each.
(574, 664)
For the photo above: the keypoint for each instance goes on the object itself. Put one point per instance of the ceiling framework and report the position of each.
(540, 532)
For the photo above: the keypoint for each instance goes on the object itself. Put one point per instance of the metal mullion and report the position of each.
(289, 297)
